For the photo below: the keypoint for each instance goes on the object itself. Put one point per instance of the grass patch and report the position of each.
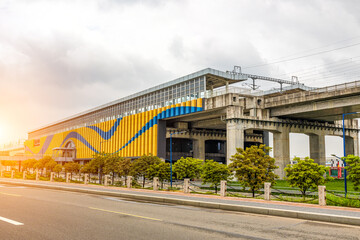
(343, 202)
(334, 185)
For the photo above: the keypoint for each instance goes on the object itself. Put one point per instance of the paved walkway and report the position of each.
(303, 207)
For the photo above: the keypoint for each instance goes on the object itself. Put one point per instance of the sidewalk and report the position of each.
(342, 215)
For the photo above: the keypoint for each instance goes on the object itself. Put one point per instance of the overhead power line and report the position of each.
(304, 56)
(316, 68)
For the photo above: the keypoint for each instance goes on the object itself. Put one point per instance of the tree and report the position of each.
(160, 170)
(125, 167)
(50, 165)
(97, 164)
(88, 168)
(42, 163)
(187, 167)
(72, 167)
(112, 165)
(58, 168)
(9, 163)
(253, 167)
(353, 169)
(213, 172)
(140, 166)
(305, 175)
(28, 164)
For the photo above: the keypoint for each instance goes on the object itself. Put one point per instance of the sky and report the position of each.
(58, 58)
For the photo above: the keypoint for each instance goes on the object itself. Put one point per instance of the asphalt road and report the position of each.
(30, 213)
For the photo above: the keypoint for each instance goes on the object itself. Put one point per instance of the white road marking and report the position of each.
(6, 186)
(11, 221)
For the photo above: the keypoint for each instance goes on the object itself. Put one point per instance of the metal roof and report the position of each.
(214, 74)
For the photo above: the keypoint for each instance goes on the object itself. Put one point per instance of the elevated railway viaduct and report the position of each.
(207, 119)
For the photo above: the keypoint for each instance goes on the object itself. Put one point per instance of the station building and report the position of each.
(143, 122)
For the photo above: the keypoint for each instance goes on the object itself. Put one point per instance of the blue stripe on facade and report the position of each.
(80, 138)
(106, 135)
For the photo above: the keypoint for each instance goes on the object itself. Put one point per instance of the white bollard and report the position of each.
(52, 175)
(12, 173)
(129, 182)
(86, 180)
(24, 175)
(37, 176)
(267, 191)
(187, 185)
(223, 186)
(322, 195)
(67, 177)
(156, 184)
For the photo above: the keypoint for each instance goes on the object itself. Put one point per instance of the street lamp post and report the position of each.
(343, 123)
(101, 143)
(171, 179)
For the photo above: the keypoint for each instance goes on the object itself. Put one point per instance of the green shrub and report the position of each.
(340, 201)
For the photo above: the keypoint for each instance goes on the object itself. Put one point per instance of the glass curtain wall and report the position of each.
(177, 93)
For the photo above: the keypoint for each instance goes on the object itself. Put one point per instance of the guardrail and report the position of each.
(312, 94)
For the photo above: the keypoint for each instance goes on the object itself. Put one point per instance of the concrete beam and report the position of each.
(214, 123)
(319, 109)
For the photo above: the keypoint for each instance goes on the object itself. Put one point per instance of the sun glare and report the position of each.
(2, 134)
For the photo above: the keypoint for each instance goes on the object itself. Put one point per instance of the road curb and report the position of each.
(196, 203)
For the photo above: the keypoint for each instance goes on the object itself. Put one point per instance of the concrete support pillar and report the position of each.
(322, 195)
(281, 151)
(356, 145)
(52, 176)
(12, 173)
(67, 177)
(234, 138)
(86, 178)
(199, 148)
(37, 176)
(317, 148)
(223, 186)
(129, 181)
(187, 185)
(161, 139)
(267, 191)
(266, 138)
(349, 145)
(156, 184)
(24, 175)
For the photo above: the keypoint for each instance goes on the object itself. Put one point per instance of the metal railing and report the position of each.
(231, 89)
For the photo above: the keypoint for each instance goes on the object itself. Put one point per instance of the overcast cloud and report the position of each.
(58, 58)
